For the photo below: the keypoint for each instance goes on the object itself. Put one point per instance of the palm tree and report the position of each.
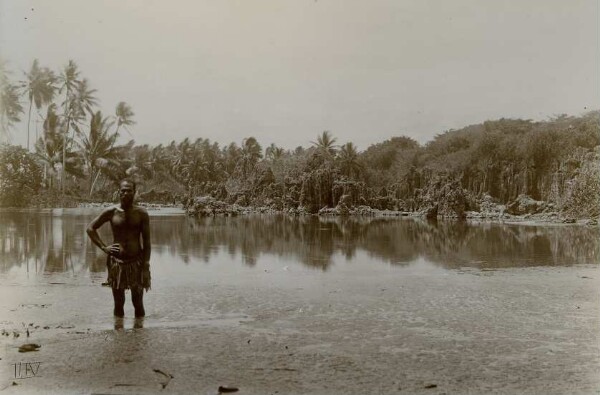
(85, 99)
(10, 108)
(159, 160)
(325, 144)
(49, 148)
(348, 157)
(214, 168)
(124, 115)
(180, 157)
(274, 152)
(143, 163)
(79, 99)
(69, 77)
(40, 88)
(115, 170)
(68, 80)
(83, 102)
(195, 170)
(97, 148)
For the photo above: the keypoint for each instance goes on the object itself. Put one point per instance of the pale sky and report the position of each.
(283, 71)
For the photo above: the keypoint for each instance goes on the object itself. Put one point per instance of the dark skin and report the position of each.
(130, 226)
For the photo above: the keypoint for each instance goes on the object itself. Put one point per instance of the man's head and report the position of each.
(127, 192)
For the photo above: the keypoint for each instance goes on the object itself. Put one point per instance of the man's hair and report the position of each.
(130, 181)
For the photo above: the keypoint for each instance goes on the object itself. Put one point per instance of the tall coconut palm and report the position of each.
(10, 107)
(124, 115)
(83, 102)
(79, 100)
(97, 147)
(40, 87)
(325, 144)
(49, 148)
(69, 77)
(68, 80)
(85, 99)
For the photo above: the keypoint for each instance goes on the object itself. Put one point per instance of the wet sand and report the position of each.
(271, 329)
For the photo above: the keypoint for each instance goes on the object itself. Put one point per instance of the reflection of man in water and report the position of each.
(128, 259)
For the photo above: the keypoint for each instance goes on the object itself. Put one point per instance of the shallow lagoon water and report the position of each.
(307, 305)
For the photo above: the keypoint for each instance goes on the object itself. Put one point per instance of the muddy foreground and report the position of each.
(418, 329)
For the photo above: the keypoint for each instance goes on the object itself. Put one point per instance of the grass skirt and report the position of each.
(128, 274)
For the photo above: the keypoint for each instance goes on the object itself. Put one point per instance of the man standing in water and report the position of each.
(128, 259)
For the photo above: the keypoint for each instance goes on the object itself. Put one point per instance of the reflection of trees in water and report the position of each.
(497, 245)
(59, 244)
(44, 243)
(314, 241)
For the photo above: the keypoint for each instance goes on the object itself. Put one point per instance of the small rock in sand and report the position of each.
(225, 389)
(29, 347)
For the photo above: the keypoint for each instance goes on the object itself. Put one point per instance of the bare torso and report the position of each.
(130, 228)
(126, 226)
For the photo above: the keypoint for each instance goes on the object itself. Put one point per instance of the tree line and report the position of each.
(76, 140)
(76, 157)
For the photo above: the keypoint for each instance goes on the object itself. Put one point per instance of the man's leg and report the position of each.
(137, 297)
(119, 297)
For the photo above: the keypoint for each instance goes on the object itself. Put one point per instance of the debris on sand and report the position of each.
(225, 389)
(168, 377)
(431, 386)
(43, 306)
(29, 347)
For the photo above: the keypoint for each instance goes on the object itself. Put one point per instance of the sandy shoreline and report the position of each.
(522, 330)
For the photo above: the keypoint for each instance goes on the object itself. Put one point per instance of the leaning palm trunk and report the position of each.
(29, 122)
(64, 154)
(94, 182)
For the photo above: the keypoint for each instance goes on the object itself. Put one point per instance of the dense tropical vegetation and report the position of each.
(77, 157)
